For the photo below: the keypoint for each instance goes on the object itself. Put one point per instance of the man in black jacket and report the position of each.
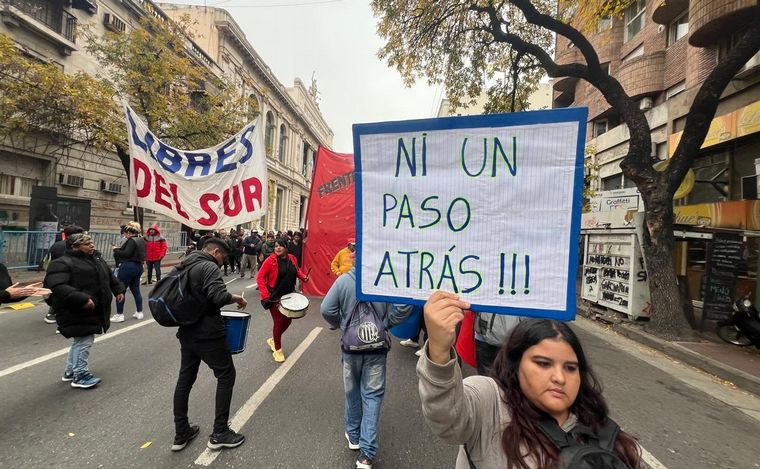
(251, 248)
(206, 341)
(82, 288)
(57, 250)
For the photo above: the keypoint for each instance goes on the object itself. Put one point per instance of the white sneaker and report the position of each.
(138, 315)
(117, 318)
(409, 343)
(351, 446)
(418, 353)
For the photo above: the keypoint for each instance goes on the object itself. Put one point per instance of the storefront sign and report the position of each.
(485, 206)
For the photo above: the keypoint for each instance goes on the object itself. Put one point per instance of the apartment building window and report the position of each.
(637, 52)
(610, 183)
(302, 211)
(269, 133)
(635, 18)
(283, 143)
(675, 89)
(278, 204)
(16, 185)
(253, 108)
(678, 28)
(605, 23)
(306, 154)
(600, 127)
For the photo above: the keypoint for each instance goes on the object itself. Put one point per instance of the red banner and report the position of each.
(329, 217)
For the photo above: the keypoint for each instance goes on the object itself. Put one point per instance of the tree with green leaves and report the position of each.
(440, 40)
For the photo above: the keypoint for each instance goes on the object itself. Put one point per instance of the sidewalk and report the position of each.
(737, 365)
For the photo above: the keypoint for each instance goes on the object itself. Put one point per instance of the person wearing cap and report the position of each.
(206, 341)
(343, 261)
(130, 257)
(82, 287)
(277, 277)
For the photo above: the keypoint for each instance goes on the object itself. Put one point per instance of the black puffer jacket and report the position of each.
(74, 279)
(206, 282)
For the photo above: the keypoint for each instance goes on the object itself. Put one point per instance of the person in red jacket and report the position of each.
(277, 277)
(155, 250)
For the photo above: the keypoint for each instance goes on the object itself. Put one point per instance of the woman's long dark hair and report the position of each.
(522, 434)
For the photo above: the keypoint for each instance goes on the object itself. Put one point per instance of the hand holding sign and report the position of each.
(443, 311)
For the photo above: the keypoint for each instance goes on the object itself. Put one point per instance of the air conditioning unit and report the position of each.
(70, 180)
(752, 66)
(111, 187)
(646, 104)
(114, 23)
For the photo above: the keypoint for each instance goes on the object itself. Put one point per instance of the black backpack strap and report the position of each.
(607, 434)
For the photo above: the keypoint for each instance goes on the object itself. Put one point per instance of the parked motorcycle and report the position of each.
(743, 327)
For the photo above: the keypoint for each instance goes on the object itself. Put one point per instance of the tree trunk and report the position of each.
(667, 317)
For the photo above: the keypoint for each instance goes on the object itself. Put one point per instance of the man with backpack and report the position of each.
(203, 340)
(364, 344)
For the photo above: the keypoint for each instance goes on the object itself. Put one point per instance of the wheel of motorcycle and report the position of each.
(731, 334)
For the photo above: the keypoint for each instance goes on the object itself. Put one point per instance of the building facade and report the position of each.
(91, 188)
(539, 99)
(294, 126)
(661, 52)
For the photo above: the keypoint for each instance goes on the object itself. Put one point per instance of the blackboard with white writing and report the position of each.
(726, 255)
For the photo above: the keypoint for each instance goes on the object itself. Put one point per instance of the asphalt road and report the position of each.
(684, 419)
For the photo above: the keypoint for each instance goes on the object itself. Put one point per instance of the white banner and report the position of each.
(222, 186)
(485, 206)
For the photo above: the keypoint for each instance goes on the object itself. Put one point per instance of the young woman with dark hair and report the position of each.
(540, 373)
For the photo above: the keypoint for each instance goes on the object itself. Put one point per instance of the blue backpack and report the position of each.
(172, 302)
(363, 330)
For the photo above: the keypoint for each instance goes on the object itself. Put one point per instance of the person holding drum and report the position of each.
(276, 278)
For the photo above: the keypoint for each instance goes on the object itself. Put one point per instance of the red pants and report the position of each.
(280, 325)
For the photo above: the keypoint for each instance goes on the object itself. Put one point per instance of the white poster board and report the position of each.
(222, 186)
(485, 206)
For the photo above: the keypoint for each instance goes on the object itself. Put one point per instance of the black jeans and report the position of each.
(216, 354)
(485, 354)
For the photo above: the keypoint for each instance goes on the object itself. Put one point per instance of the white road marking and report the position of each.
(246, 412)
(653, 462)
(253, 285)
(227, 283)
(64, 351)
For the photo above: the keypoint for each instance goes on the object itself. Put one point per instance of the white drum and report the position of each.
(294, 305)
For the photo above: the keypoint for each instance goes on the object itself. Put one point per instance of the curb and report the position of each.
(740, 378)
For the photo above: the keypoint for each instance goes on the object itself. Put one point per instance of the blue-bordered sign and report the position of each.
(485, 206)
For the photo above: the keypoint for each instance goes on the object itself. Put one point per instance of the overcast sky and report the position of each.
(336, 40)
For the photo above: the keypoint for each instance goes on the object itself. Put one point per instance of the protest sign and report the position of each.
(484, 206)
(220, 186)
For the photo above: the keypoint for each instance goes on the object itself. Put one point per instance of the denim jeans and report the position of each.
(151, 266)
(79, 354)
(129, 274)
(364, 383)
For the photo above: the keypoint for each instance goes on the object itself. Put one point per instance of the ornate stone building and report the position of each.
(294, 126)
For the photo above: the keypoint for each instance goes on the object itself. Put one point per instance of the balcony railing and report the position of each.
(49, 13)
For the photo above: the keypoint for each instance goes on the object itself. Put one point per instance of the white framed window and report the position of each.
(16, 185)
(605, 23)
(675, 89)
(600, 127)
(678, 28)
(637, 52)
(635, 18)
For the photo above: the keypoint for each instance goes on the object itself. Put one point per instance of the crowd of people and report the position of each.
(534, 394)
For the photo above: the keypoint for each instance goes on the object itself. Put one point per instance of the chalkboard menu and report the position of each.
(725, 257)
